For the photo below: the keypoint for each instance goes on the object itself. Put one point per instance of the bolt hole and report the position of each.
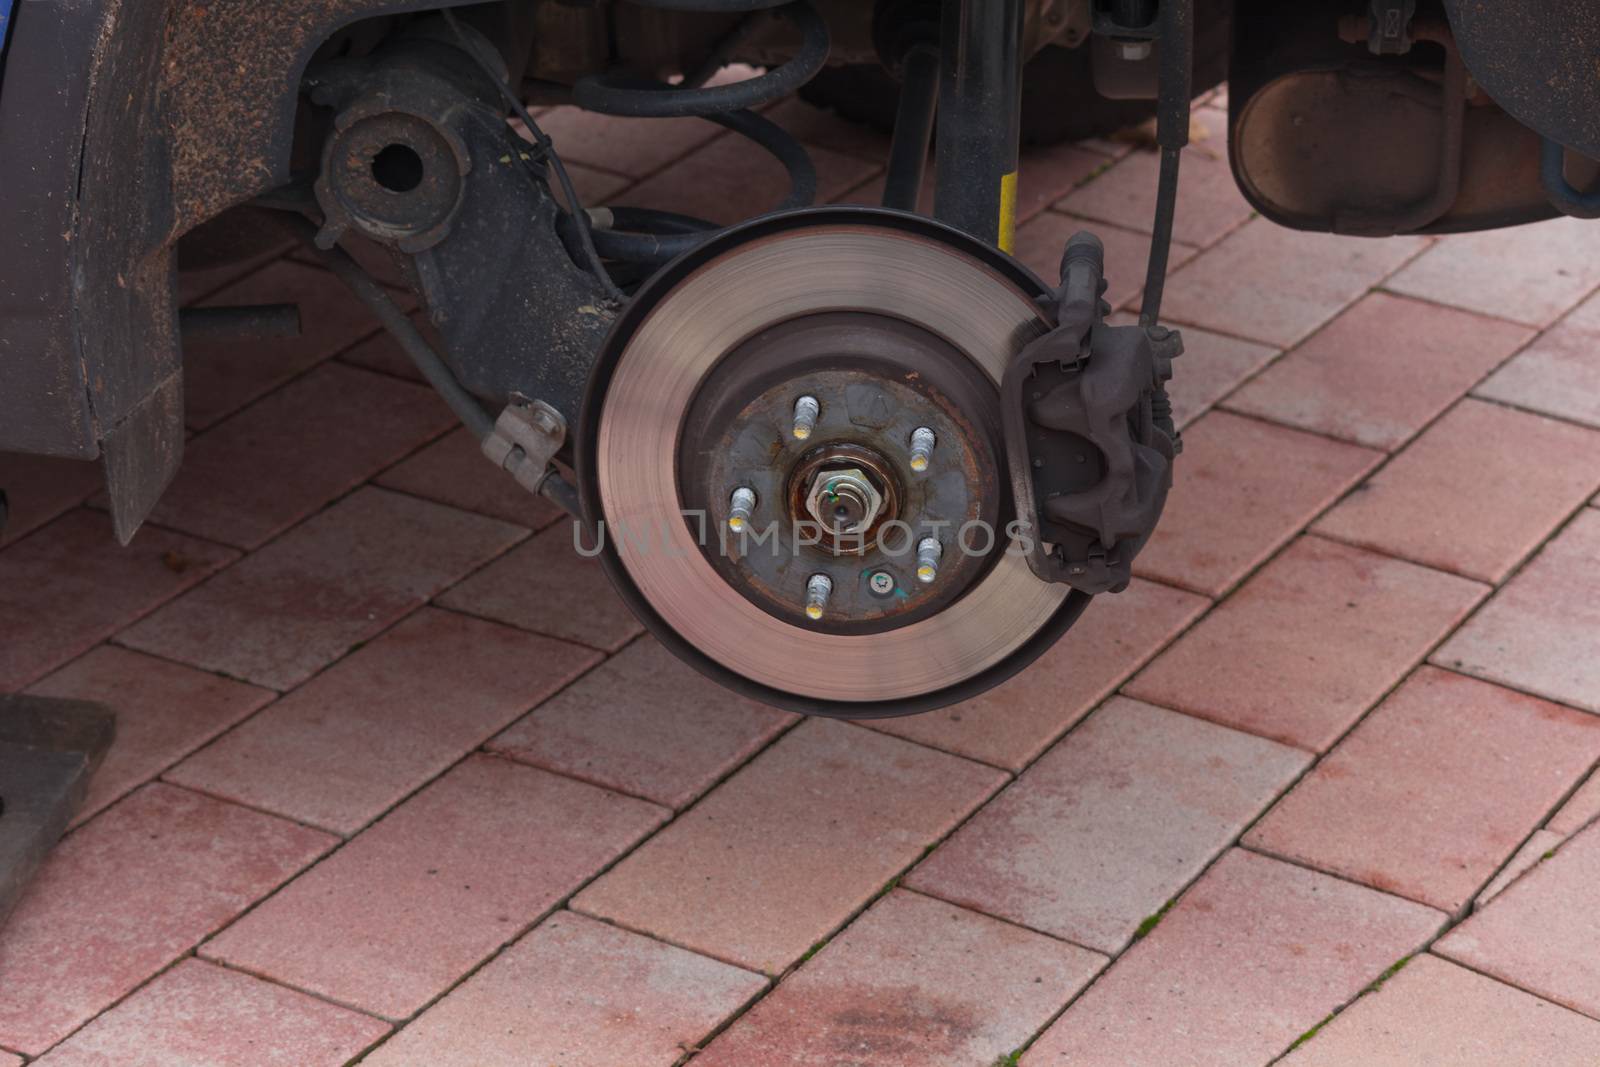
(397, 168)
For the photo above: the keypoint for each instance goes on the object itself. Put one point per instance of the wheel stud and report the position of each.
(928, 552)
(922, 442)
(740, 507)
(806, 410)
(817, 590)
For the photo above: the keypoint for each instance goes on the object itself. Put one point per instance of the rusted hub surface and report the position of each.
(845, 501)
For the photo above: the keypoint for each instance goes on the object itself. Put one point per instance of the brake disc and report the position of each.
(779, 425)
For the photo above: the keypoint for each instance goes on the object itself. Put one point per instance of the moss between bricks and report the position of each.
(1311, 1033)
(1093, 174)
(1152, 921)
(1393, 969)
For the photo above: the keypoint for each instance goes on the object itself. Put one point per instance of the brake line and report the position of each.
(1172, 134)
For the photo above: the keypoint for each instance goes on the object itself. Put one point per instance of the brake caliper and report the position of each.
(1089, 433)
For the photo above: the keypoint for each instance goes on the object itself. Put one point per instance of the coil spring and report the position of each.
(650, 237)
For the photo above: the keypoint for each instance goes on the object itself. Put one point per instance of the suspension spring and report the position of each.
(650, 237)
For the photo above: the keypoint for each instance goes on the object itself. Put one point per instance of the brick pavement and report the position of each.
(398, 777)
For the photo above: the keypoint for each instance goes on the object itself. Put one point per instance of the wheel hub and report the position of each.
(819, 419)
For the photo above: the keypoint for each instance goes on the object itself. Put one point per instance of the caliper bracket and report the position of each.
(1089, 433)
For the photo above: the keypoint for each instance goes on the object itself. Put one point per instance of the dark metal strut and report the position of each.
(980, 95)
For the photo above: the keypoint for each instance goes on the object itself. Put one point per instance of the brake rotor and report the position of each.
(802, 361)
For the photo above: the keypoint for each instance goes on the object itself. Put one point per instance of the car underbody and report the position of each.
(850, 461)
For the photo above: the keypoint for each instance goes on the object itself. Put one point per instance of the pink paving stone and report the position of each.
(787, 849)
(453, 471)
(164, 712)
(341, 577)
(547, 587)
(1209, 201)
(1252, 956)
(1039, 245)
(592, 186)
(1381, 371)
(644, 723)
(1277, 285)
(127, 894)
(825, 129)
(1243, 489)
(575, 991)
(1310, 642)
(731, 179)
(202, 1015)
(8, 1060)
(356, 739)
(913, 982)
(1434, 790)
(1451, 503)
(1113, 147)
(68, 586)
(1044, 175)
(1525, 273)
(261, 471)
(1110, 824)
(1434, 1012)
(382, 353)
(1539, 847)
(220, 377)
(1579, 810)
(1543, 933)
(871, 193)
(415, 902)
(38, 488)
(1011, 724)
(1212, 365)
(1541, 631)
(1559, 373)
(194, 284)
(632, 147)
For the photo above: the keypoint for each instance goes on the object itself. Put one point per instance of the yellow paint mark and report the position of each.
(1008, 212)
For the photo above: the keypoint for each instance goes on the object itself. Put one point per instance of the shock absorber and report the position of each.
(650, 237)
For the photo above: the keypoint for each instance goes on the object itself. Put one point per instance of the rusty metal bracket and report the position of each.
(525, 438)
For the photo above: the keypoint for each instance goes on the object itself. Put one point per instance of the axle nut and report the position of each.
(844, 501)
